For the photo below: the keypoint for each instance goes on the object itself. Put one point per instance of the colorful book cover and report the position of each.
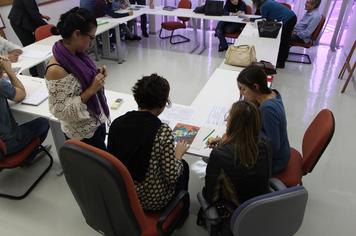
(185, 132)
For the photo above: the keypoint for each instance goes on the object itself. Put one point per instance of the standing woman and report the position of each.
(272, 10)
(75, 85)
(252, 82)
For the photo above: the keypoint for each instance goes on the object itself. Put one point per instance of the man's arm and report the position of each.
(20, 89)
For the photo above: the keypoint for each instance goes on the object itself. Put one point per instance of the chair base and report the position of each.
(185, 39)
(302, 55)
(41, 167)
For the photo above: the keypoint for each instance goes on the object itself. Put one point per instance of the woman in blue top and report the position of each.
(231, 8)
(272, 10)
(252, 82)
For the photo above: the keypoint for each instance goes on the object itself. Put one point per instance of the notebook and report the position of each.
(36, 97)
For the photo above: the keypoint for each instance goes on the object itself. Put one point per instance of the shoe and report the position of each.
(136, 37)
(145, 34)
(36, 156)
(280, 65)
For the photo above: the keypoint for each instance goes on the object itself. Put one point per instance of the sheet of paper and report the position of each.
(177, 112)
(217, 116)
(37, 51)
(36, 97)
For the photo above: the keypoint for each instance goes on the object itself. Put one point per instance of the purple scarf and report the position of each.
(84, 69)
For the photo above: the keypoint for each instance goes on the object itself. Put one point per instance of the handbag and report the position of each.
(266, 66)
(269, 29)
(241, 55)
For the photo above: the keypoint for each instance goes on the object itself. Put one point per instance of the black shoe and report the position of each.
(145, 34)
(136, 37)
(280, 65)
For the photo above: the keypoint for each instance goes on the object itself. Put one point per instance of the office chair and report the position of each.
(314, 37)
(316, 138)
(106, 194)
(43, 32)
(11, 170)
(278, 213)
(235, 35)
(174, 25)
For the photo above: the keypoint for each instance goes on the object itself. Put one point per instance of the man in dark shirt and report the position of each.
(15, 136)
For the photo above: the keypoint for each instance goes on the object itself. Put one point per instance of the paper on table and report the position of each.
(217, 116)
(199, 146)
(37, 52)
(177, 113)
(36, 97)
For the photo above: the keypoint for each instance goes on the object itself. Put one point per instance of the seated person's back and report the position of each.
(145, 146)
(238, 168)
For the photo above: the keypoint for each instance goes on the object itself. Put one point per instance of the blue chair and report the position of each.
(278, 213)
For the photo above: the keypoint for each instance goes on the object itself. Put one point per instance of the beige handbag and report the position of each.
(241, 55)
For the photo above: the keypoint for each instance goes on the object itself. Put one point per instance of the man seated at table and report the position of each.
(9, 50)
(15, 136)
(231, 8)
(305, 27)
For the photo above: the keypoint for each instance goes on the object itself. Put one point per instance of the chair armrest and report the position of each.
(276, 184)
(210, 212)
(182, 196)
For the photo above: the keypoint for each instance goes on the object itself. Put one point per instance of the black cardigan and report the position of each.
(227, 181)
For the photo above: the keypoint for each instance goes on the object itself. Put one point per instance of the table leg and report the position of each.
(197, 45)
(204, 37)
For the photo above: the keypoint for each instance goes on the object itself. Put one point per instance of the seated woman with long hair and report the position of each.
(238, 168)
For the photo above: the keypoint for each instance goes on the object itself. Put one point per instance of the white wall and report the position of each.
(54, 10)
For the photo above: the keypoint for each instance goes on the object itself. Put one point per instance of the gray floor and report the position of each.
(51, 210)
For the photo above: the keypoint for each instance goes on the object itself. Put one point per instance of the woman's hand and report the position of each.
(213, 142)
(14, 55)
(47, 18)
(181, 148)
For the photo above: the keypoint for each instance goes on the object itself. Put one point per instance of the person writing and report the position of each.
(232, 8)
(9, 50)
(16, 137)
(75, 85)
(238, 168)
(306, 26)
(252, 82)
(145, 146)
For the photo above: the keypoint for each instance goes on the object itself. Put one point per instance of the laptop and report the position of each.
(214, 8)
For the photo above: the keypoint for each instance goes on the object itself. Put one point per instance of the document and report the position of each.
(37, 51)
(101, 22)
(177, 112)
(217, 116)
(36, 97)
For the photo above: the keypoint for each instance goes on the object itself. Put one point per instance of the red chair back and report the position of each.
(103, 189)
(316, 139)
(186, 4)
(43, 32)
(318, 29)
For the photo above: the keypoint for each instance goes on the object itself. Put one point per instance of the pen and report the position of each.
(208, 135)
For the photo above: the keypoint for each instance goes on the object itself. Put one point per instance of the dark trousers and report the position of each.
(28, 131)
(296, 39)
(286, 39)
(143, 17)
(98, 139)
(226, 27)
(26, 37)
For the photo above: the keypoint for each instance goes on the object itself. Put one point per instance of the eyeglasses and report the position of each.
(168, 103)
(90, 36)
